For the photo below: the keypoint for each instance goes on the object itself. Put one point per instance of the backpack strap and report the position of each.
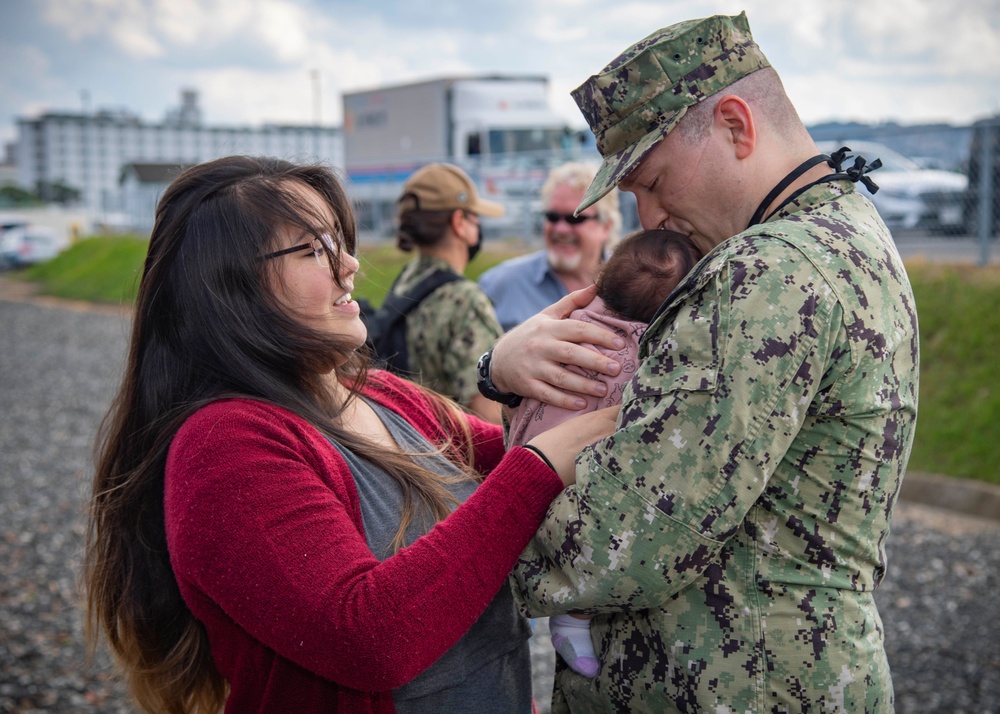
(387, 331)
(402, 305)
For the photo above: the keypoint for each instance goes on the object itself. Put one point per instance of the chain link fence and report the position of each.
(933, 184)
(514, 180)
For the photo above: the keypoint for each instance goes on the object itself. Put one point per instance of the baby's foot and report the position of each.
(571, 639)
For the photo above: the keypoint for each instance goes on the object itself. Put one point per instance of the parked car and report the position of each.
(11, 228)
(910, 197)
(22, 243)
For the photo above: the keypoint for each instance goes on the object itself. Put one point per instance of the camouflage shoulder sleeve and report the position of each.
(716, 402)
(446, 335)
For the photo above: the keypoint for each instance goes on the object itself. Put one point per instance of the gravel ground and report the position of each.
(58, 369)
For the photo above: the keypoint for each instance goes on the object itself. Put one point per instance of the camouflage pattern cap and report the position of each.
(641, 95)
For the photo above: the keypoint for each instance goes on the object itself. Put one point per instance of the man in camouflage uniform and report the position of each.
(729, 536)
(439, 216)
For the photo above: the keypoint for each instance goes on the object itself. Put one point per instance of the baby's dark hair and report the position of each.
(643, 270)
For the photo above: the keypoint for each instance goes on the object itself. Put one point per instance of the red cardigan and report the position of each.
(266, 542)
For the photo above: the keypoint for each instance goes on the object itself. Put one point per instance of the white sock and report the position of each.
(571, 638)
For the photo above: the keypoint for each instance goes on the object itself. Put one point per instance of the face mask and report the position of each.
(474, 249)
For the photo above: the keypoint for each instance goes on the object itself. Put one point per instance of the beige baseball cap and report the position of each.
(444, 187)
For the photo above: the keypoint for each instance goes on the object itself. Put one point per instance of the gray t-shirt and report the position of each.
(488, 670)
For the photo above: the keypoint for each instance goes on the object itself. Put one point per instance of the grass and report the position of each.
(958, 429)
(107, 269)
(380, 265)
(958, 423)
(104, 269)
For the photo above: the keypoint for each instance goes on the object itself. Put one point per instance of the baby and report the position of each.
(641, 272)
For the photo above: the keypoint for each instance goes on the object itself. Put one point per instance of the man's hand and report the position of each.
(531, 359)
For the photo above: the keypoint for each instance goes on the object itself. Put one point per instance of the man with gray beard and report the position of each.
(575, 247)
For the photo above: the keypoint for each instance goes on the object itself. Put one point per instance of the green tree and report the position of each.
(17, 197)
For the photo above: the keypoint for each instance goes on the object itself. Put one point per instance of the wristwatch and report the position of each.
(486, 386)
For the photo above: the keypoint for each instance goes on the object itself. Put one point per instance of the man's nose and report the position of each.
(651, 215)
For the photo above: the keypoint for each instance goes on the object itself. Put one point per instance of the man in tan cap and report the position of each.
(449, 328)
(730, 534)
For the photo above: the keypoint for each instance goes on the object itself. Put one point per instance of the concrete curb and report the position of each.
(968, 496)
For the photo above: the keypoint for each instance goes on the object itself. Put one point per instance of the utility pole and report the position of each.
(314, 73)
(316, 96)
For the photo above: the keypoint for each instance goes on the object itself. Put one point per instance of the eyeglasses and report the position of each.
(322, 246)
(554, 217)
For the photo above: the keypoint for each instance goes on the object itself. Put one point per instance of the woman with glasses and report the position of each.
(273, 526)
(574, 248)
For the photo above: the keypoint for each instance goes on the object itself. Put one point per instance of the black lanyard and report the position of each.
(854, 173)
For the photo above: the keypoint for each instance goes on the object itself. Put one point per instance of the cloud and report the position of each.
(283, 27)
(201, 23)
(33, 65)
(551, 26)
(136, 42)
(888, 37)
(942, 32)
(33, 79)
(229, 95)
(252, 60)
(77, 18)
(126, 23)
(366, 53)
(156, 28)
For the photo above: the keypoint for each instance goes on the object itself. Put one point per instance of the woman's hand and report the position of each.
(531, 359)
(563, 443)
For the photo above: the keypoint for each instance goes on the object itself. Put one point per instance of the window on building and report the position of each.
(509, 141)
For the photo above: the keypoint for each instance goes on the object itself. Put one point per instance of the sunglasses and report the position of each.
(553, 217)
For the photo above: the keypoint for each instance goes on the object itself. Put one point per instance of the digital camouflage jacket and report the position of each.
(448, 331)
(730, 534)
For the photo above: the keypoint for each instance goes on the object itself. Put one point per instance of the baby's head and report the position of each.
(643, 270)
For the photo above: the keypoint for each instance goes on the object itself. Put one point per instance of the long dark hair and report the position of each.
(207, 326)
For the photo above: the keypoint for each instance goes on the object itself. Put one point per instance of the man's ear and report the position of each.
(733, 114)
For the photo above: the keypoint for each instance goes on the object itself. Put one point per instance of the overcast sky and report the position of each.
(254, 61)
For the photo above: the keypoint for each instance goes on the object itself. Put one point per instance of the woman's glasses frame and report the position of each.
(325, 240)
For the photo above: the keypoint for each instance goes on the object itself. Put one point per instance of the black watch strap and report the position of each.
(486, 386)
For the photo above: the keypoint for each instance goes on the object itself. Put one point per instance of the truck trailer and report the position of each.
(500, 129)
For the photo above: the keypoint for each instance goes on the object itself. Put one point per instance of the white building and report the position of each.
(142, 185)
(8, 167)
(61, 152)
